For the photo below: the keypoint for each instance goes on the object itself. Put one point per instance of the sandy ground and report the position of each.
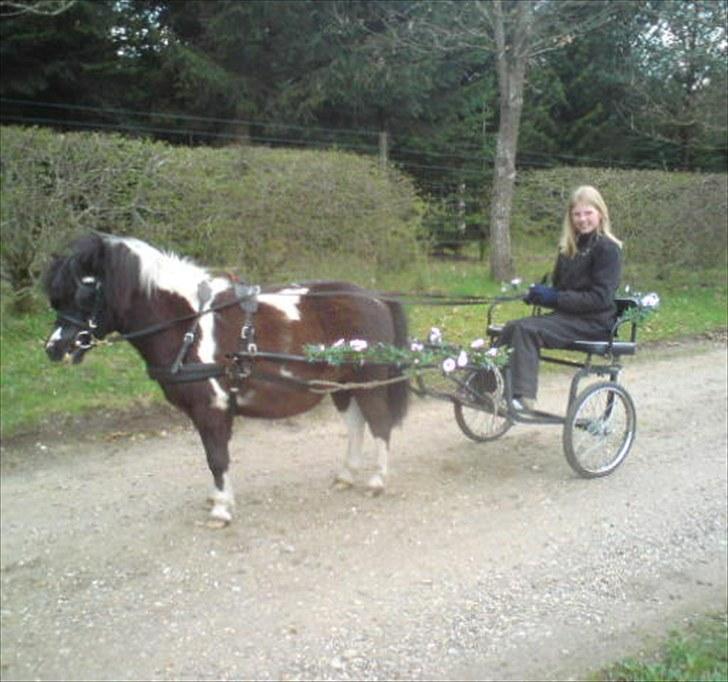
(481, 561)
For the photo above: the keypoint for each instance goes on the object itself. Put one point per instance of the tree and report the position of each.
(514, 32)
(678, 75)
(47, 8)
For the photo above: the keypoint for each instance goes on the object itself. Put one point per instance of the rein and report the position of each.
(246, 296)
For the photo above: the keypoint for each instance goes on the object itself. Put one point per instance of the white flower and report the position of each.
(478, 343)
(492, 352)
(358, 345)
(435, 336)
(448, 365)
(651, 300)
(462, 359)
(339, 343)
(416, 347)
(626, 289)
(516, 282)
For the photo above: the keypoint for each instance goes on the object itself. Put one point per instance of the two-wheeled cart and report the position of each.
(600, 422)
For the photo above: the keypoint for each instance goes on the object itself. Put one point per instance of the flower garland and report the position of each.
(646, 305)
(417, 356)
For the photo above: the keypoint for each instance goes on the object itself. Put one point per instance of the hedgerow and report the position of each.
(257, 211)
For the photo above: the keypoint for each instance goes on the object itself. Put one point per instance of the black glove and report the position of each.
(539, 294)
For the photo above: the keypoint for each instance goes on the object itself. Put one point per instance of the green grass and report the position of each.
(696, 654)
(692, 302)
(34, 390)
(113, 377)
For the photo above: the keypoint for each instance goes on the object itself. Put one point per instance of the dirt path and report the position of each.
(480, 562)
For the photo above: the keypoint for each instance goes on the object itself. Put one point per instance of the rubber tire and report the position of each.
(572, 450)
(464, 418)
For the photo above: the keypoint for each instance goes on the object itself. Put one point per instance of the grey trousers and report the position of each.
(527, 335)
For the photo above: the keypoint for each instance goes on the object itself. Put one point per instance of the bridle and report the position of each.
(90, 330)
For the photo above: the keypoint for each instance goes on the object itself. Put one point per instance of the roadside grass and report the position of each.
(35, 391)
(698, 653)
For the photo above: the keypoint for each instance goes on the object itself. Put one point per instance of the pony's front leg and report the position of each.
(215, 427)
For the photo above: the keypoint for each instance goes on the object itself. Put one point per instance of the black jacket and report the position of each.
(588, 282)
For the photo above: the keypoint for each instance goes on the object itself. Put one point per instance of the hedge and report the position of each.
(260, 212)
(666, 219)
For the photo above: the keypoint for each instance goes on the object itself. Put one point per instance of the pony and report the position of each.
(220, 349)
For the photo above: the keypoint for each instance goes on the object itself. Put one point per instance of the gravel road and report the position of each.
(488, 561)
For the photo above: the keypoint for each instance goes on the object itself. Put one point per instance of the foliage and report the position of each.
(54, 186)
(265, 212)
(646, 88)
(697, 653)
(419, 355)
(666, 220)
(679, 99)
(35, 391)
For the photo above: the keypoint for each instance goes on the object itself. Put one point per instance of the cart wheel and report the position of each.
(480, 415)
(599, 429)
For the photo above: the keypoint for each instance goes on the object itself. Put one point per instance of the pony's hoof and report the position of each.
(215, 524)
(219, 515)
(375, 486)
(343, 481)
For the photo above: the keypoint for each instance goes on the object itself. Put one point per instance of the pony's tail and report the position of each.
(398, 392)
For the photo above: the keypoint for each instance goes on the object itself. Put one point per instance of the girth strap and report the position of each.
(196, 371)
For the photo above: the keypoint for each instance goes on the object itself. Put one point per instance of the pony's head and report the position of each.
(79, 290)
(99, 284)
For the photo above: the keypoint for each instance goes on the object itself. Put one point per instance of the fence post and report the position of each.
(383, 148)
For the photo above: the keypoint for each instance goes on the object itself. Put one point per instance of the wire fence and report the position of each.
(455, 180)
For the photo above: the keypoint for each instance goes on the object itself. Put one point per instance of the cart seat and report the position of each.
(592, 347)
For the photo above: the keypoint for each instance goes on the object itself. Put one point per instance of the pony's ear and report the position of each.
(54, 282)
(90, 255)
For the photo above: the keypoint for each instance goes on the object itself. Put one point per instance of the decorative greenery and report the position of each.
(646, 305)
(418, 356)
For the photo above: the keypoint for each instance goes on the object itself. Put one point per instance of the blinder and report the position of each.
(89, 301)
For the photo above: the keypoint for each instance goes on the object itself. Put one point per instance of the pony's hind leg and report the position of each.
(375, 410)
(355, 425)
(215, 428)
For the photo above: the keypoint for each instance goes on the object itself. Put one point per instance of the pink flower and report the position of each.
(448, 365)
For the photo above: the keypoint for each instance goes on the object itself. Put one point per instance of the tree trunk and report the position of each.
(511, 60)
(504, 178)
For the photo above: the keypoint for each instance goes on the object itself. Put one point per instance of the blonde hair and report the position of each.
(585, 195)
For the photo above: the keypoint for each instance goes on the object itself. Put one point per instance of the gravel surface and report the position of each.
(481, 561)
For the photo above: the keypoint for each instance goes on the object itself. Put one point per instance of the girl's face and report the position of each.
(585, 218)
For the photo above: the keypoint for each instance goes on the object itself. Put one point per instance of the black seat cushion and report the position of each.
(593, 347)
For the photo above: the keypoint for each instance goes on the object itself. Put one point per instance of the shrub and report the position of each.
(265, 212)
(665, 219)
(53, 186)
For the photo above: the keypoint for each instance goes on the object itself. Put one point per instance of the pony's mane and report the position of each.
(162, 269)
(126, 265)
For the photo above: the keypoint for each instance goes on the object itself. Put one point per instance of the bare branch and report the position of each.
(45, 8)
